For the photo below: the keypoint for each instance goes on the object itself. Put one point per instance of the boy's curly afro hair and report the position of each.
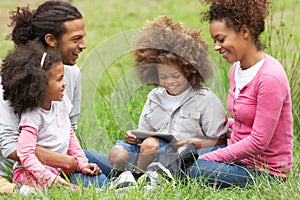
(237, 13)
(24, 81)
(165, 42)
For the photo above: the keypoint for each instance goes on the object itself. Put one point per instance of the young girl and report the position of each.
(33, 82)
(175, 58)
(259, 100)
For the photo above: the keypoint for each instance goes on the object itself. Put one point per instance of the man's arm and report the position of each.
(67, 163)
(73, 91)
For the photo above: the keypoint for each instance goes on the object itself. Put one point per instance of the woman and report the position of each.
(259, 100)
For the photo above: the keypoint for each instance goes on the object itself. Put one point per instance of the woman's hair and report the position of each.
(48, 18)
(24, 78)
(168, 43)
(237, 13)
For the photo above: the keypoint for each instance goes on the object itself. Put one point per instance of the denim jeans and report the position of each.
(209, 149)
(87, 180)
(134, 151)
(223, 175)
(100, 159)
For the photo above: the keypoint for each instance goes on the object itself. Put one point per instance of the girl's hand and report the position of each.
(131, 139)
(91, 169)
(59, 180)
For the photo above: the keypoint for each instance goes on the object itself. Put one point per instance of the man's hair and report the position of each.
(48, 18)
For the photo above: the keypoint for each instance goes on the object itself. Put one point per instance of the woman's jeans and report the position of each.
(222, 175)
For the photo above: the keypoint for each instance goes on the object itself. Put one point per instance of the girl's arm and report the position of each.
(26, 152)
(76, 151)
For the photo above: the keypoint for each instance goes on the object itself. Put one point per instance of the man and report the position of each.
(57, 24)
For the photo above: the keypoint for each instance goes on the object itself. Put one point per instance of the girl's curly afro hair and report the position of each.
(237, 13)
(165, 42)
(24, 80)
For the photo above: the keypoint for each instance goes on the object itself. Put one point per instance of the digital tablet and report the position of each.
(168, 137)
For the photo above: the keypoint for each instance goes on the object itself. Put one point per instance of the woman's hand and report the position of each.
(91, 169)
(131, 139)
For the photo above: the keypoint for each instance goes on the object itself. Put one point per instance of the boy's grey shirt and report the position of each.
(200, 115)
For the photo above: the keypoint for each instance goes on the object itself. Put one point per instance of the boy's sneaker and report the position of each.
(149, 180)
(160, 169)
(124, 180)
(155, 175)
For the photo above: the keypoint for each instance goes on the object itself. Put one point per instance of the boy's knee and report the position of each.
(118, 157)
(149, 145)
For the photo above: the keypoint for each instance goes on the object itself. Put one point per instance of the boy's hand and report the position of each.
(180, 143)
(91, 169)
(131, 139)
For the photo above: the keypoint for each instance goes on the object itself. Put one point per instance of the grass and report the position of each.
(113, 98)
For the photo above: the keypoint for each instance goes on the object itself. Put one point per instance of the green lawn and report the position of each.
(112, 98)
